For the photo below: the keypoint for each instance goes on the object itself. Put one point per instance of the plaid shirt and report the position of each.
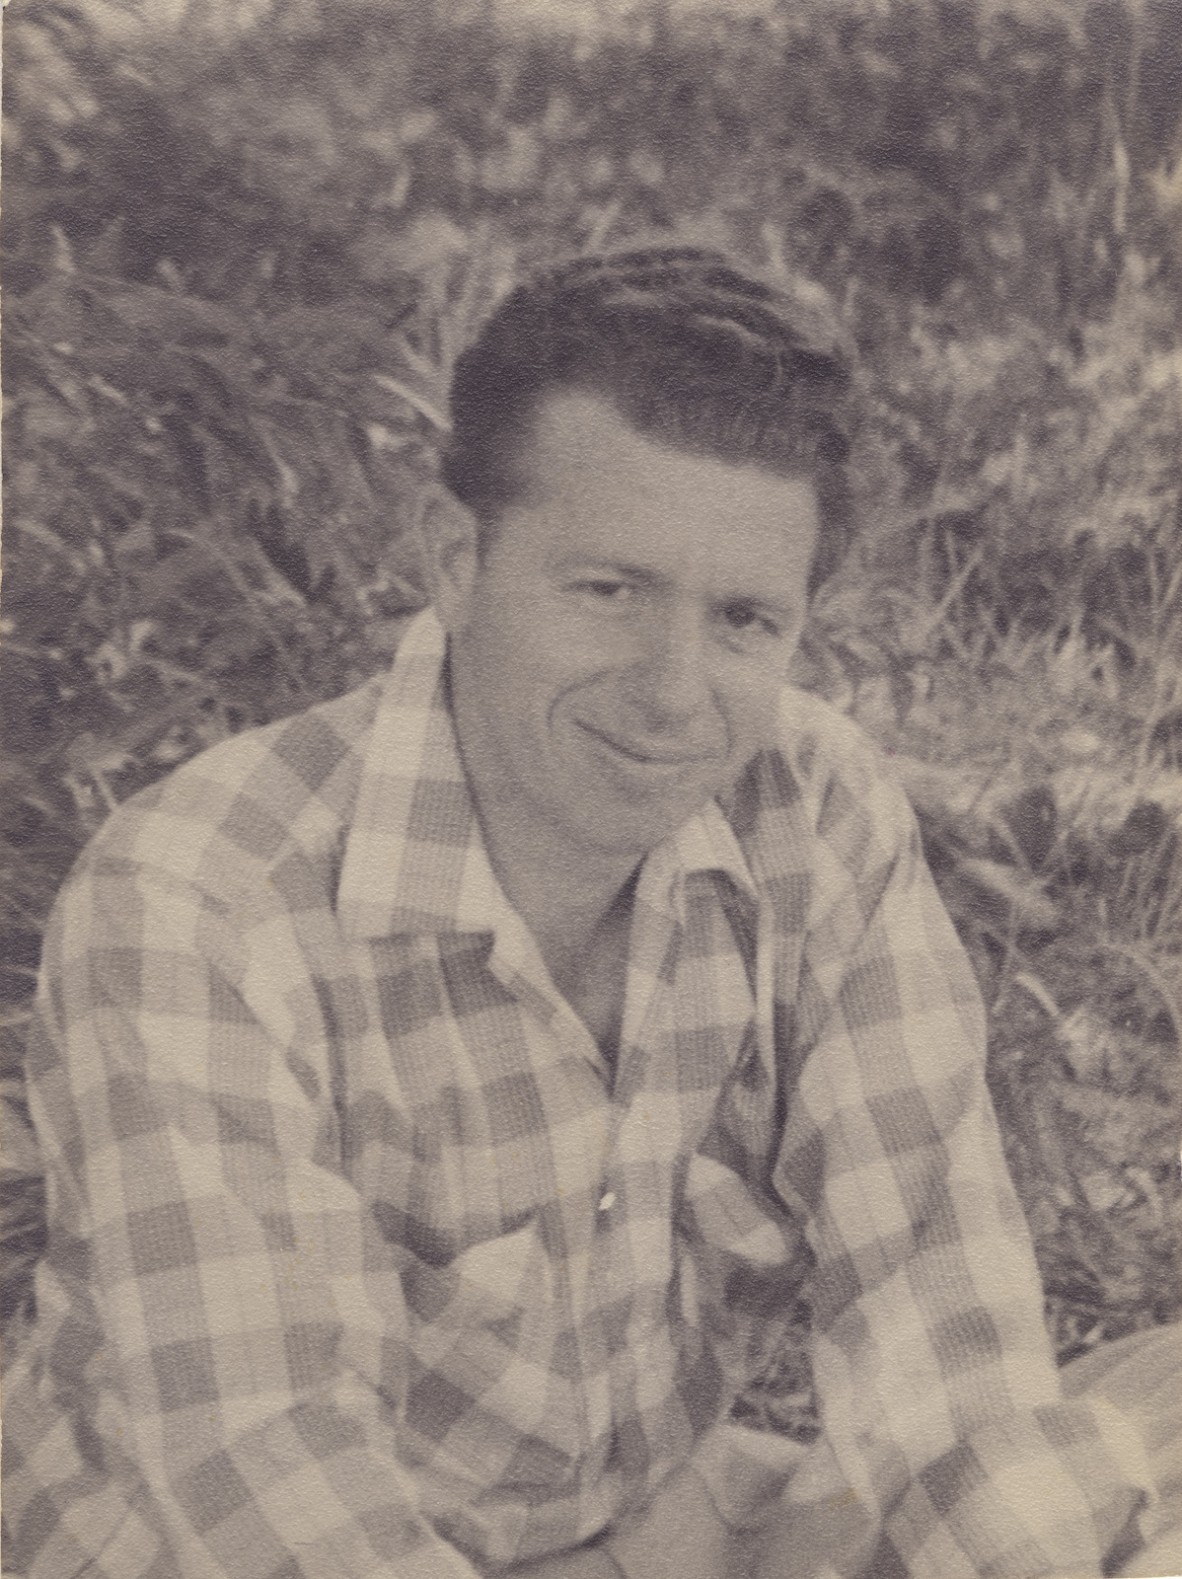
(362, 1261)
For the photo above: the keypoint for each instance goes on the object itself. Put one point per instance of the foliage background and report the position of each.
(242, 245)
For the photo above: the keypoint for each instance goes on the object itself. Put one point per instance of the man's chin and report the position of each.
(637, 824)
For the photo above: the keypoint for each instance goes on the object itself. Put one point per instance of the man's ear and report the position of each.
(451, 544)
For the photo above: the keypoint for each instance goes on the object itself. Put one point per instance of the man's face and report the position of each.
(619, 649)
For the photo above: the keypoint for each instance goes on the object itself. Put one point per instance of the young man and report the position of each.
(446, 1093)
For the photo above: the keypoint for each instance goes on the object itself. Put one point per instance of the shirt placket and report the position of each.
(603, 1166)
(557, 1041)
(632, 1184)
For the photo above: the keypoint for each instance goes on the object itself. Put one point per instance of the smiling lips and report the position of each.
(642, 757)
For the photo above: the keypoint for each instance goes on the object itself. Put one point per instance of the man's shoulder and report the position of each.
(829, 755)
(277, 793)
(820, 804)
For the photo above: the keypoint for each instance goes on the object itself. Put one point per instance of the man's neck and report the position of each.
(563, 897)
(579, 914)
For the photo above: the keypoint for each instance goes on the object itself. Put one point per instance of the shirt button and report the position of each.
(607, 1200)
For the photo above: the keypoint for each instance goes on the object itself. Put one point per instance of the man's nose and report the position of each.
(671, 679)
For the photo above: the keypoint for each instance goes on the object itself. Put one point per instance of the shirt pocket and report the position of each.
(742, 1262)
(486, 1333)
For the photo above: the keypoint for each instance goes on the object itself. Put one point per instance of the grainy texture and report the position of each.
(239, 262)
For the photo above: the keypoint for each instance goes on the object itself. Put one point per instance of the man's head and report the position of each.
(649, 450)
(692, 352)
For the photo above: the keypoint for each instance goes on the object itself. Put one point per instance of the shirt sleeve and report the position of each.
(219, 1325)
(938, 1392)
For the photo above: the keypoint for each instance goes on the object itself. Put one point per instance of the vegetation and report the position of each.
(239, 263)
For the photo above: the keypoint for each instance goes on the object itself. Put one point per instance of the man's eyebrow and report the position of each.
(590, 565)
(756, 600)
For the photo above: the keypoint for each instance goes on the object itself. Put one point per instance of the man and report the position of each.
(446, 1093)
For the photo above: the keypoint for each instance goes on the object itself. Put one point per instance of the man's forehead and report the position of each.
(580, 431)
(602, 494)
(578, 424)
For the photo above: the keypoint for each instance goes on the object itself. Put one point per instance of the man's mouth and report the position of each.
(645, 755)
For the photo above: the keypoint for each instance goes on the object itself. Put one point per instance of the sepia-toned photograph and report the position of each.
(591, 789)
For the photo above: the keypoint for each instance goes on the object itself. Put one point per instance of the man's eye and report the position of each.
(750, 624)
(605, 591)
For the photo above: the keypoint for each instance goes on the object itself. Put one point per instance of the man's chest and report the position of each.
(592, 978)
(473, 1099)
(545, 1220)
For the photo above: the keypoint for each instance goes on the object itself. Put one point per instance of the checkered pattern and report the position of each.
(363, 1262)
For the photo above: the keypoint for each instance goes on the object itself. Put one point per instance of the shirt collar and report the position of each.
(415, 860)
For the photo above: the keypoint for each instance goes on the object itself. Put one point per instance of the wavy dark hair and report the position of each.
(691, 350)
